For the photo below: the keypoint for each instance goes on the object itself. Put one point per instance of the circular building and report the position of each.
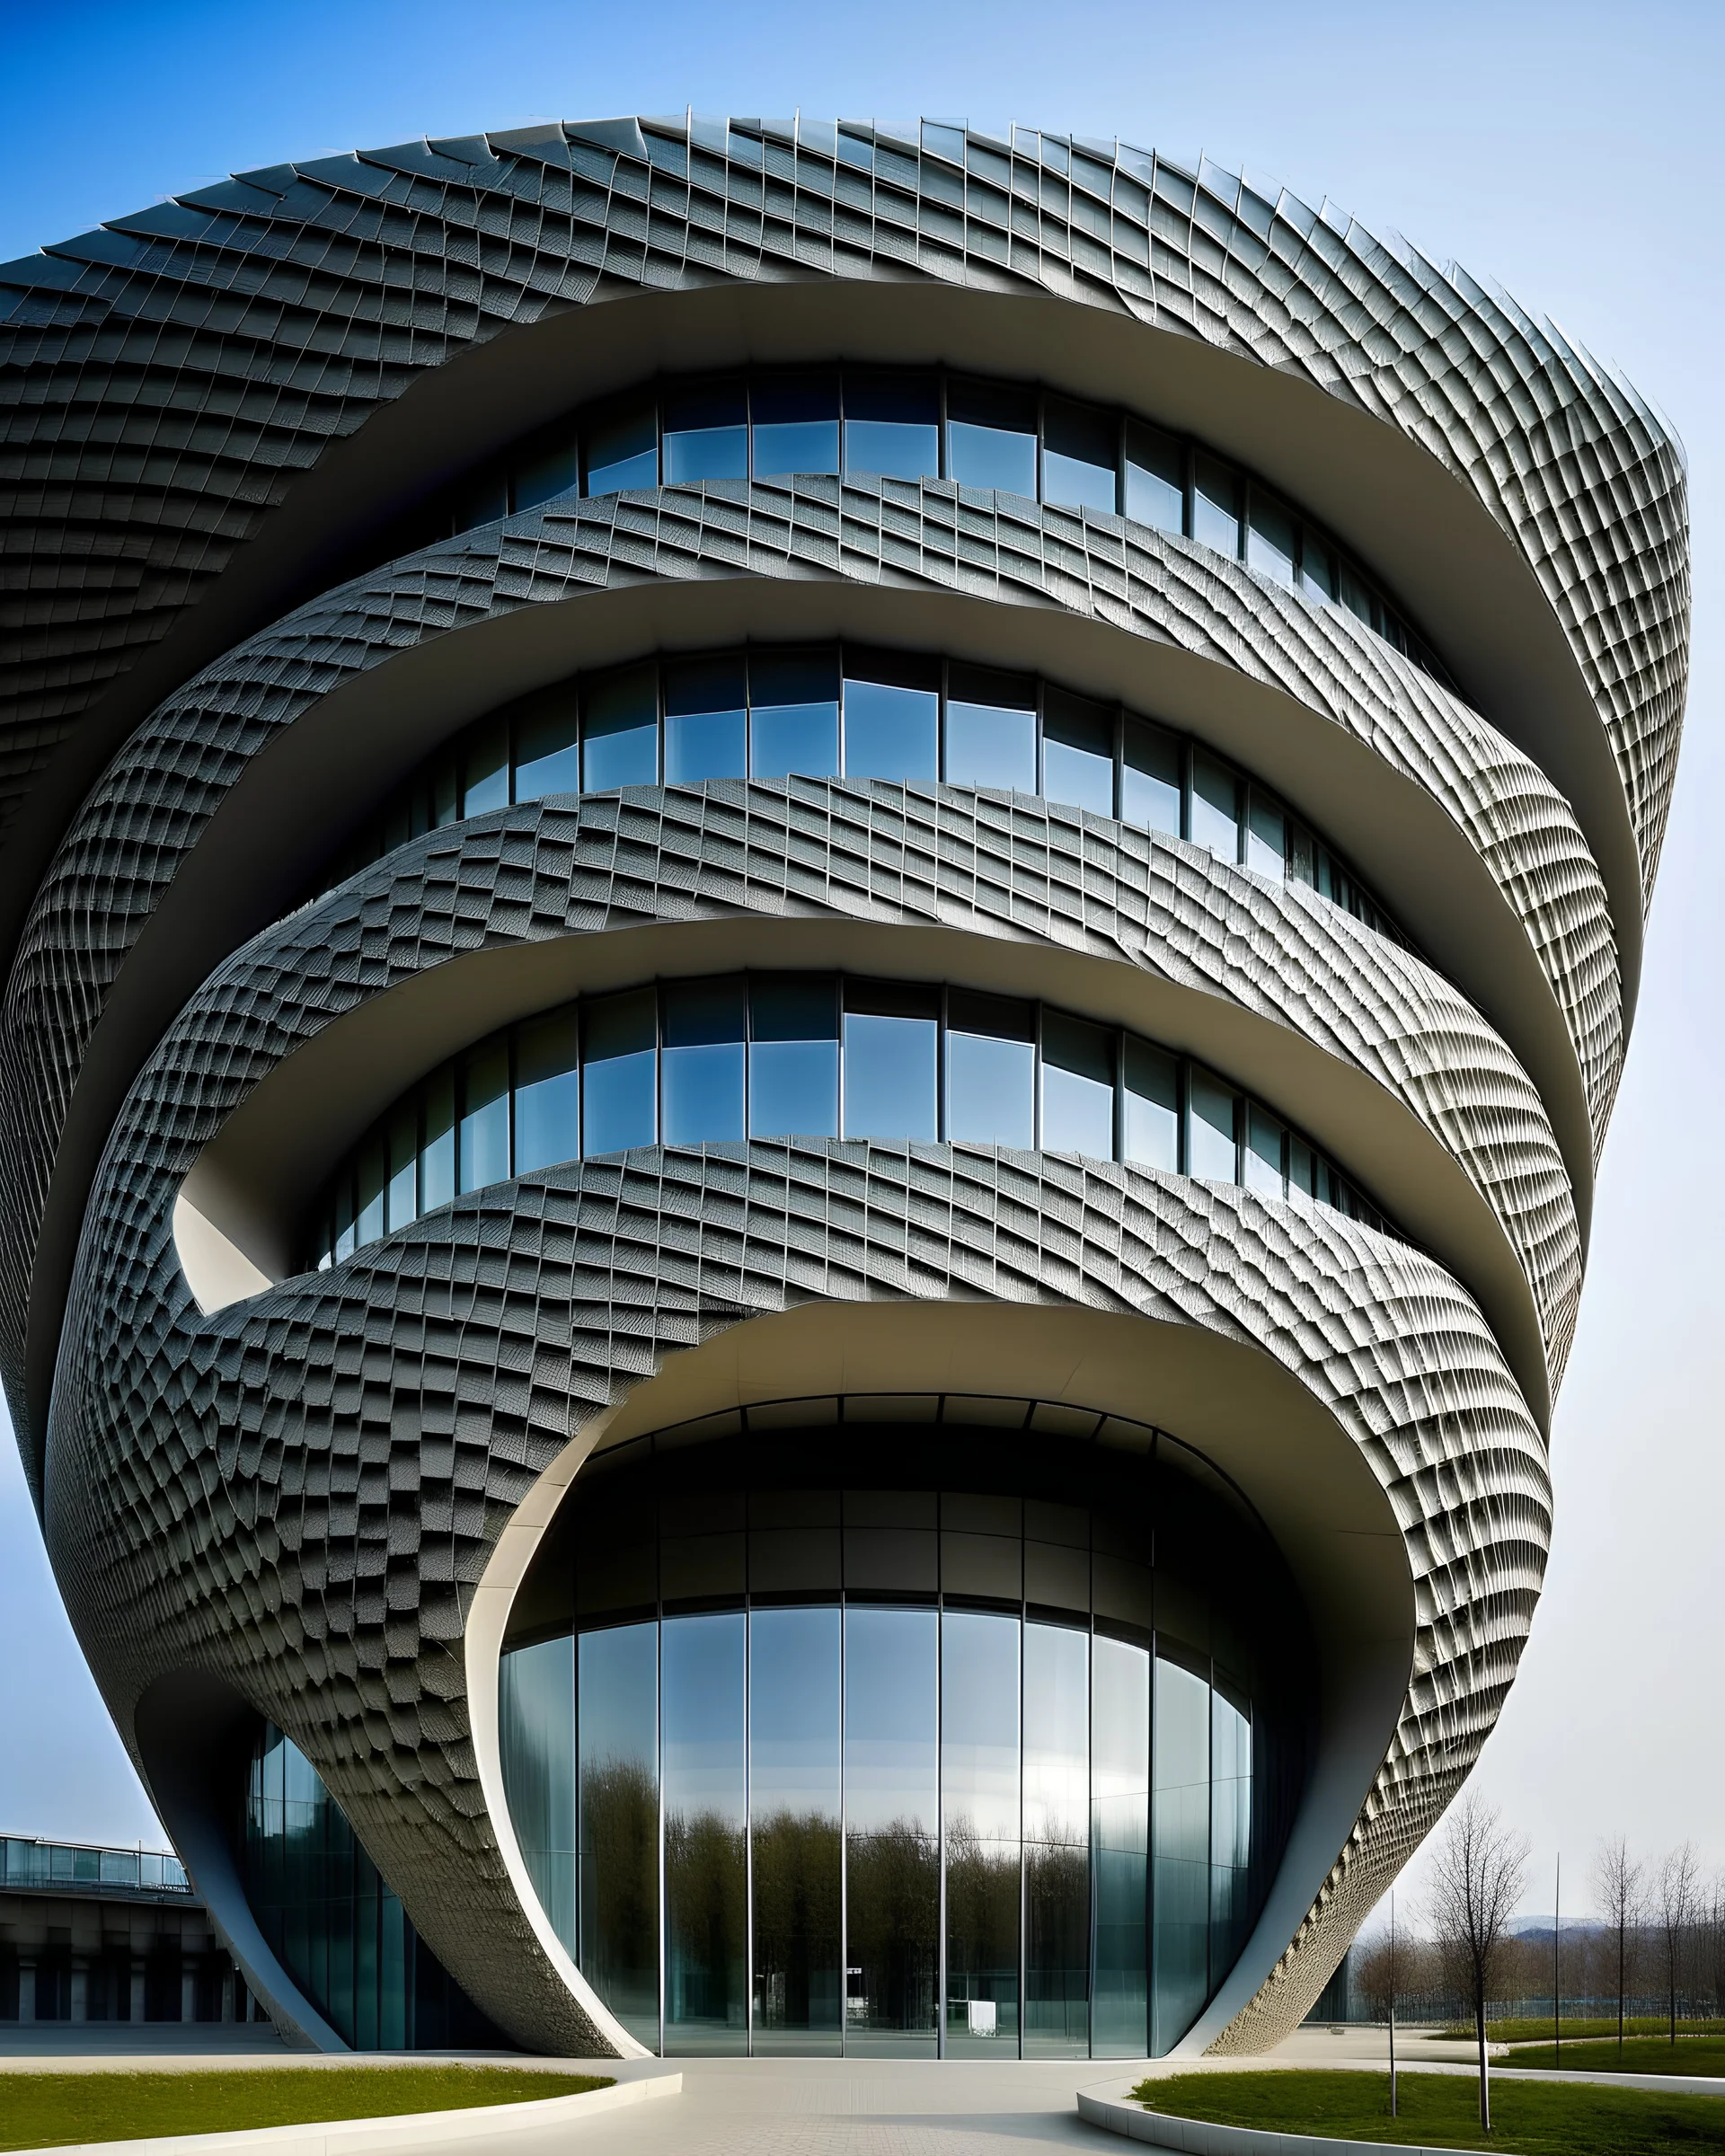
(814, 943)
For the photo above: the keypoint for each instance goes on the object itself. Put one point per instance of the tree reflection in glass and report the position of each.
(979, 1761)
(795, 1740)
(1056, 1842)
(1120, 1835)
(892, 1837)
(1181, 1841)
(618, 1684)
(536, 1721)
(706, 1936)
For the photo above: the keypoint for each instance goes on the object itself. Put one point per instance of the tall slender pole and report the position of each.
(1557, 1973)
(1393, 2104)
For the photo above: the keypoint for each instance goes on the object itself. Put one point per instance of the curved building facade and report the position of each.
(815, 943)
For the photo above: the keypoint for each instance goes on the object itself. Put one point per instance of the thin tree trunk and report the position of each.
(1485, 2078)
(1620, 1990)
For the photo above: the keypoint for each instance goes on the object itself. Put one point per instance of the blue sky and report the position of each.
(1568, 152)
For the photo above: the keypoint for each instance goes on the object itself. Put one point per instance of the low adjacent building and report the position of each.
(92, 1934)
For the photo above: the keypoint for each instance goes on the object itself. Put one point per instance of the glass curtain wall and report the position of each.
(893, 1830)
(338, 1929)
(939, 1768)
(913, 1768)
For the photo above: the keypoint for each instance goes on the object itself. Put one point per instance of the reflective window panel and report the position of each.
(776, 424)
(617, 1703)
(1056, 1842)
(892, 717)
(904, 718)
(979, 1785)
(618, 1042)
(793, 1055)
(711, 1060)
(795, 1770)
(1081, 454)
(990, 729)
(991, 437)
(794, 424)
(536, 1721)
(702, 1059)
(1120, 1846)
(706, 721)
(892, 425)
(892, 1830)
(990, 1070)
(706, 433)
(706, 1817)
(1180, 1843)
(793, 714)
(891, 1061)
(620, 730)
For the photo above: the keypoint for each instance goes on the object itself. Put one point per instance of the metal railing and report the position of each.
(78, 1867)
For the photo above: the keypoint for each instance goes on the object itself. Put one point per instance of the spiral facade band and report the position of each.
(816, 938)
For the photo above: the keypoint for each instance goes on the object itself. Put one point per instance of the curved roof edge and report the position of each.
(1571, 466)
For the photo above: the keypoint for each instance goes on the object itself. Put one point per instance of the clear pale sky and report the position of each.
(1569, 152)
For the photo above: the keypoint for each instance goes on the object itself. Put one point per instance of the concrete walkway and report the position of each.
(849, 2107)
(837, 2106)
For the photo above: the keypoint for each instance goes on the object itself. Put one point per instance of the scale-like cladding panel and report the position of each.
(373, 252)
(122, 854)
(441, 1257)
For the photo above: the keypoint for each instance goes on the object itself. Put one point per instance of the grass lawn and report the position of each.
(1539, 2032)
(1640, 2055)
(54, 2110)
(1440, 2110)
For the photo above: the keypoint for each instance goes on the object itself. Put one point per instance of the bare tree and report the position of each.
(1716, 1943)
(1371, 1969)
(1476, 1882)
(1676, 1898)
(1617, 1882)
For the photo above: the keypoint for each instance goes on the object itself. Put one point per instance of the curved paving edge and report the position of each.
(1203, 2137)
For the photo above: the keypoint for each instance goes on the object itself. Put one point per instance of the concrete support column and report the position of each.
(26, 1991)
(230, 1977)
(80, 1989)
(138, 2010)
(188, 1990)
